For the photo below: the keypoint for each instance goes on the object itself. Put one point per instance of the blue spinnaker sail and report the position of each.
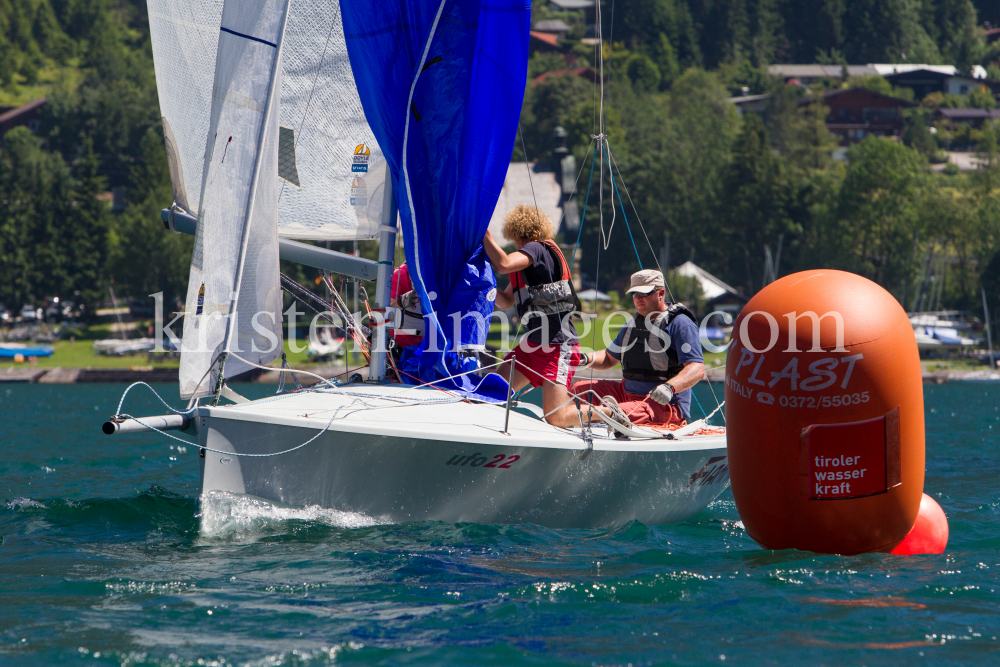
(441, 84)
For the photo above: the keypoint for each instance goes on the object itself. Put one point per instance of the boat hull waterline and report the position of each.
(551, 479)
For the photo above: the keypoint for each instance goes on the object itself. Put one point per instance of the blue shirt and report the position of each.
(684, 339)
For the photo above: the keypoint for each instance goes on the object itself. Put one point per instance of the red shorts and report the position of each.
(547, 362)
(640, 409)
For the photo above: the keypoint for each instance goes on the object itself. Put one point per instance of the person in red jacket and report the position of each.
(411, 331)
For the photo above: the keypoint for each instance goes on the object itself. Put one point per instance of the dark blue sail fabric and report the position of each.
(441, 84)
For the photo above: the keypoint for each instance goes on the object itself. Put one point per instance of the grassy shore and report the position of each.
(77, 351)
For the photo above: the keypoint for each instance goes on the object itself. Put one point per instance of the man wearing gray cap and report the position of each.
(660, 353)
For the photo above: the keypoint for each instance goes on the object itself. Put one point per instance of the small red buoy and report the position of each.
(929, 534)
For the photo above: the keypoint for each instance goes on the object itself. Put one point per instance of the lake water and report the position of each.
(102, 563)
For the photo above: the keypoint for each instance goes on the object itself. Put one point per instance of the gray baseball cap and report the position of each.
(646, 281)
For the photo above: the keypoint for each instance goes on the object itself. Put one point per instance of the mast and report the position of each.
(989, 333)
(383, 281)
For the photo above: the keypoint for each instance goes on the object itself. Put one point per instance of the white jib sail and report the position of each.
(234, 293)
(331, 171)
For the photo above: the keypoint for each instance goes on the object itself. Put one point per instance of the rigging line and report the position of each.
(714, 397)
(538, 216)
(583, 217)
(634, 209)
(606, 240)
(597, 276)
(698, 403)
(345, 312)
(641, 226)
(611, 42)
(583, 166)
(572, 396)
(339, 312)
(290, 283)
(614, 185)
(600, 45)
(167, 405)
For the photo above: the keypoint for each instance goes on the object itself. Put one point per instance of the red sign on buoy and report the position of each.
(850, 460)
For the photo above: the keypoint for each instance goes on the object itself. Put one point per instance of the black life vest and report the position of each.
(643, 356)
(535, 294)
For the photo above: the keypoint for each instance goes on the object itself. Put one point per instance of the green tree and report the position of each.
(665, 58)
(643, 73)
(36, 204)
(989, 156)
(916, 134)
(84, 237)
(798, 130)
(756, 198)
(879, 209)
(145, 258)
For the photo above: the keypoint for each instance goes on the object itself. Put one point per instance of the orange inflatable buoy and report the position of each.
(825, 415)
(929, 534)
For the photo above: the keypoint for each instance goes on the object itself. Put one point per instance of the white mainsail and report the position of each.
(331, 171)
(234, 292)
(185, 35)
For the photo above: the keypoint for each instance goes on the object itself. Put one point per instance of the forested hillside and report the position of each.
(708, 33)
(722, 185)
(99, 130)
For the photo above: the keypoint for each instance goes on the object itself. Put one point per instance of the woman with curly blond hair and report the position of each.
(542, 289)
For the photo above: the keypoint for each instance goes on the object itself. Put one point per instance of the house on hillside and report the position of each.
(555, 27)
(589, 8)
(927, 80)
(546, 35)
(809, 74)
(29, 114)
(856, 113)
(542, 42)
(717, 294)
(754, 103)
(973, 117)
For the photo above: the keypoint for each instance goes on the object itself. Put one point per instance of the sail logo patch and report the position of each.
(359, 192)
(362, 156)
(201, 299)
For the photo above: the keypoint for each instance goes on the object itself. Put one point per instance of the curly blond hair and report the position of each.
(526, 223)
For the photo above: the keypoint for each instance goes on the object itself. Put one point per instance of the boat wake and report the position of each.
(232, 516)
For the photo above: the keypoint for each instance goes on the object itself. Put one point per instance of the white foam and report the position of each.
(235, 516)
(23, 503)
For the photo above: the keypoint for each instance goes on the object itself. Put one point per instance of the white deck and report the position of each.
(430, 413)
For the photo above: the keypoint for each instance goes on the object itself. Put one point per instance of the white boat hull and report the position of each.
(437, 462)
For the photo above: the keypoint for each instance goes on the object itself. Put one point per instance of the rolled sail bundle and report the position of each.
(825, 416)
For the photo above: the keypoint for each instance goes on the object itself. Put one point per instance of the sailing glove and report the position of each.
(663, 394)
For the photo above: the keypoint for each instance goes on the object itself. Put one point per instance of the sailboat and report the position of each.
(351, 121)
